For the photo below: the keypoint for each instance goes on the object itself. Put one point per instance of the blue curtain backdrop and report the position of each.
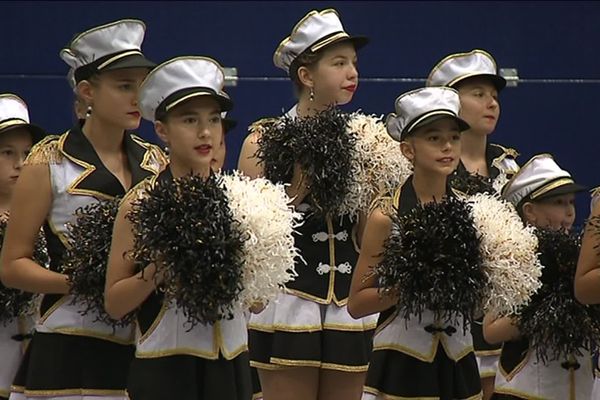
(554, 46)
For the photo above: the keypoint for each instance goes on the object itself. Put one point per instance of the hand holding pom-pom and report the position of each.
(432, 261)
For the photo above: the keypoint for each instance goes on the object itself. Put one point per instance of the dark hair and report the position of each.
(308, 59)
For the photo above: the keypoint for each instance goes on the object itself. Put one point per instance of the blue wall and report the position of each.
(553, 40)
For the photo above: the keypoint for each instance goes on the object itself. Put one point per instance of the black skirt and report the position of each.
(345, 351)
(73, 365)
(185, 377)
(394, 373)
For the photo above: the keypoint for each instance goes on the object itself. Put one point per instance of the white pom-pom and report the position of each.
(509, 251)
(262, 210)
(378, 165)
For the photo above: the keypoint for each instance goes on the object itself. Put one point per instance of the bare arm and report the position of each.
(498, 330)
(30, 205)
(125, 290)
(364, 296)
(587, 276)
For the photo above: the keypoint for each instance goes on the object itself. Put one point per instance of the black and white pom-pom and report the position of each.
(509, 251)
(432, 261)
(14, 302)
(262, 211)
(323, 148)
(555, 323)
(186, 227)
(378, 165)
(86, 258)
(471, 184)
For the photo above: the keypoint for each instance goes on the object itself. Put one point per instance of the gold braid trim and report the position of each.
(385, 203)
(262, 125)
(159, 155)
(46, 151)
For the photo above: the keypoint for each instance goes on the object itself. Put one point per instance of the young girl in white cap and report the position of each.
(17, 317)
(184, 98)
(400, 367)
(474, 75)
(73, 355)
(547, 347)
(430, 259)
(305, 345)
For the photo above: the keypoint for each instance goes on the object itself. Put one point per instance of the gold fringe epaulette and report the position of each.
(260, 126)
(595, 191)
(159, 156)
(47, 151)
(507, 151)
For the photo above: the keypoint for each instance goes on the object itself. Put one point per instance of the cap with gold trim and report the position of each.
(180, 79)
(315, 31)
(107, 47)
(423, 106)
(14, 114)
(457, 67)
(540, 178)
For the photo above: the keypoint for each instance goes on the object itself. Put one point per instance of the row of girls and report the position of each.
(348, 258)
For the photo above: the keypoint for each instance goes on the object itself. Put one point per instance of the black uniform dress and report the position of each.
(173, 361)
(73, 354)
(420, 358)
(309, 325)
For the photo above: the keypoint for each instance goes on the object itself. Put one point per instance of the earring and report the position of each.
(167, 150)
(312, 94)
(88, 111)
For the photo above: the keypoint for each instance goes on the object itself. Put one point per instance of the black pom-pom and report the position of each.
(471, 184)
(323, 148)
(555, 323)
(14, 302)
(432, 261)
(86, 259)
(186, 227)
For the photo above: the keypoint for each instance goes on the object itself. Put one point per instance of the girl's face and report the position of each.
(334, 78)
(14, 147)
(113, 97)
(193, 131)
(556, 212)
(434, 147)
(479, 105)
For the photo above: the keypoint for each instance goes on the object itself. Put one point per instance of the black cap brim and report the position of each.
(498, 81)
(564, 189)
(462, 125)
(132, 61)
(36, 132)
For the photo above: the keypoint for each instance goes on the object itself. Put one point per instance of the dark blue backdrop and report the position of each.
(556, 41)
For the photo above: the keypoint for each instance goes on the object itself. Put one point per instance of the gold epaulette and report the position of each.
(507, 150)
(260, 126)
(387, 203)
(46, 151)
(159, 155)
(595, 191)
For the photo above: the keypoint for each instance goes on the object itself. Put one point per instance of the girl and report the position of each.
(73, 356)
(422, 357)
(306, 345)
(184, 98)
(544, 196)
(475, 76)
(16, 138)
